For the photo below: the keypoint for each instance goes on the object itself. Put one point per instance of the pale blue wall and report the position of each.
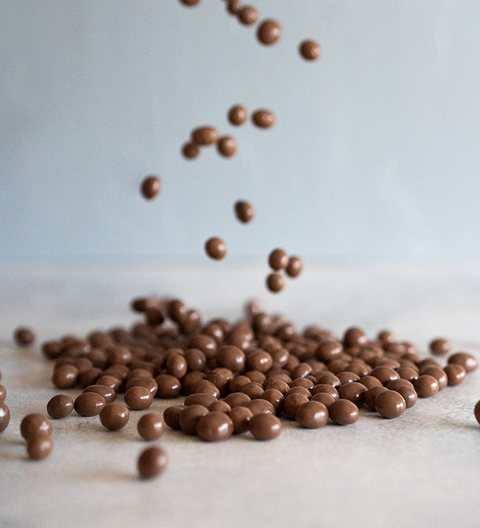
(376, 150)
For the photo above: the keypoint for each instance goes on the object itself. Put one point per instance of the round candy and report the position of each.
(24, 336)
(151, 186)
(269, 32)
(263, 118)
(237, 115)
(150, 427)
(275, 282)
(39, 448)
(89, 404)
(244, 211)
(152, 462)
(190, 150)
(247, 15)
(310, 50)
(265, 426)
(35, 425)
(294, 267)
(390, 404)
(216, 248)
(343, 412)
(215, 427)
(278, 259)
(227, 146)
(60, 406)
(114, 416)
(206, 135)
(312, 415)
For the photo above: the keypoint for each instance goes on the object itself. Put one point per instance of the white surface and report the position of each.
(420, 470)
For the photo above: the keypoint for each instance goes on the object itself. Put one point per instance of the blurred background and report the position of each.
(375, 153)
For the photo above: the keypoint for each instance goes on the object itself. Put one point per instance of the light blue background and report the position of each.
(376, 150)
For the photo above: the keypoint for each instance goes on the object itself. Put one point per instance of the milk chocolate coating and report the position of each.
(89, 404)
(106, 392)
(455, 374)
(171, 416)
(24, 336)
(4, 416)
(269, 32)
(150, 427)
(426, 386)
(343, 412)
(247, 15)
(234, 6)
(152, 462)
(244, 211)
(216, 248)
(206, 135)
(215, 427)
(189, 417)
(39, 448)
(312, 415)
(275, 282)
(263, 118)
(114, 416)
(440, 346)
(240, 417)
(227, 146)
(60, 406)
(278, 259)
(237, 115)
(138, 398)
(310, 50)
(35, 425)
(151, 186)
(467, 361)
(294, 267)
(190, 150)
(390, 404)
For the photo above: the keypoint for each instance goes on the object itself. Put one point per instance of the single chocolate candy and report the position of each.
(230, 357)
(440, 346)
(265, 426)
(39, 447)
(312, 415)
(244, 211)
(260, 406)
(216, 248)
(426, 386)
(237, 115)
(152, 462)
(275, 282)
(65, 376)
(247, 15)
(353, 391)
(390, 404)
(263, 118)
(35, 425)
(227, 146)
(310, 50)
(114, 416)
(294, 267)
(89, 404)
(467, 361)
(151, 186)
(168, 386)
(455, 374)
(138, 398)
(206, 135)
(24, 336)
(343, 412)
(219, 406)
(409, 395)
(150, 427)
(190, 150)
(355, 336)
(234, 6)
(215, 427)
(4, 416)
(278, 259)
(60, 406)
(269, 32)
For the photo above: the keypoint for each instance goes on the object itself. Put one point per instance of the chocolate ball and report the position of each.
(244, 211)
(216, 248)
(310, 50)
(263, 118)
(237, 115)
(269, 32)
(227, 146)
(247, 15)
(151, 186)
